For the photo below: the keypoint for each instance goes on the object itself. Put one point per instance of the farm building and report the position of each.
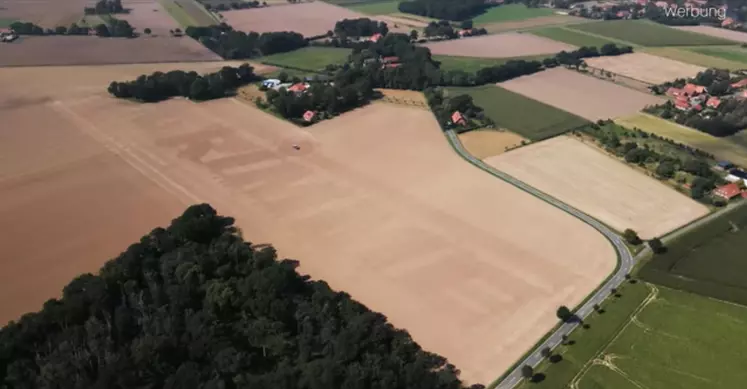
(299, 87)
(271, 83)
(309, 116)
(727, 191)
(375, 37)
(736, 175)
(713, 102)
(739, 84)
(724, 165)
(458, 118)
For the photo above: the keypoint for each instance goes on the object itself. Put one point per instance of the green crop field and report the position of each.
(576, 38)
(188, 13)
(473, 64)
(679, 340)
(511, 12)
(529, 118)
(647, 33)
(709, 260)
(588, 342)
(683, 54)
(309, 58)
(729, 53)
(5, 23)
(375, 8)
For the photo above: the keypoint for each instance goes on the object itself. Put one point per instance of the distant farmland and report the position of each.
(529, 118)
(308, 58)
(709, 260)
(571, 37)
(646, 33)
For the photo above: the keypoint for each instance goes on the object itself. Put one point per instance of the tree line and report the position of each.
(117, 28)
(444, 29)
(161, 86)
(105, 7)
(193, 306)
(231, 44)
(360, 27)
(234, 5)
(445, 9)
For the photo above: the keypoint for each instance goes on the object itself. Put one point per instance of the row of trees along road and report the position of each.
(161, 86)
(193, 306)
(231, 44)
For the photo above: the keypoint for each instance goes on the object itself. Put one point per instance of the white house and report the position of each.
(270, 83)
(736, 175)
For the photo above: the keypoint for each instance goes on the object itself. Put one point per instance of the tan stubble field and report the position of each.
(645, 67)
(504, 45)
(610, 191)
(376, 203)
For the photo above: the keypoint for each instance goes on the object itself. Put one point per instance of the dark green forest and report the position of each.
(445, 9)
(360, 27)
(231, 44)
(195, 306)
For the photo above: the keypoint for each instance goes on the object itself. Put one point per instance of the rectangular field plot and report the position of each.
(647, 33)
(571, 37)
(473, 64)
(487, 143)
(538, 22)
(645, 67)
(148, 14)
(375, 7)
(678, 340)
(683, 54)
(308, 19)
(722, 148)
(189, 13)
(600, 186)
(736, 36)
(583, 95)
(729, 53)
(510, 44)
(707, 260)
(309, 58)
(510, 12)
(529, 118)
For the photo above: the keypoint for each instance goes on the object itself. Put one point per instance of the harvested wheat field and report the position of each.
(645, 67)
(91, 50)
(46, 13)
(308, 19)
(736, 36)
(375, 202)
(510, 44)
(600, 186)
(148, 14)
(487, 143)
(585, 96)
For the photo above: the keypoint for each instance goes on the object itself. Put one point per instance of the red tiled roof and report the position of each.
(375, 37)
(691, 89)
(697, 107)
(713, 102)
(457, 117)
(674, 91)
(682, 104)
(727, 191)
(391, 65)
(300, 87)
(390, 59)
(309, 115)
(739, 84)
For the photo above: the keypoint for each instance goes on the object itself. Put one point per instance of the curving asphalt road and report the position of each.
(625, 265)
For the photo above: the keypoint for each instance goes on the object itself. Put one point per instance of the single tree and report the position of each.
(146, 31)
(564, 313)
(546, 352)
(596, 307)
(564, 338)
(631, 237)
(527, 372)
(613, 291)
(414, 35)
(466, 25)
(656, 245)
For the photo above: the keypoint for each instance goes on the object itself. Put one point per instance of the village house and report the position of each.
(727, 192)
(375, 37)
(740, 84)
(713, 102)
(309, 116)
(298, 87)
(458, 118)
(682, 105)
(270, 83)
(463, 33)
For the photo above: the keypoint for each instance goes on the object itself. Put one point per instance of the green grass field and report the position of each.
(729, 53)
(510, 12)
(375, 8)
(709, 260)
(576, 38)
(5, 23)
(473, 64)
(682, 54)
(588, 342)
(679, 340)
(188, 13)
(647, 33)
(529, 118)
(308, 58)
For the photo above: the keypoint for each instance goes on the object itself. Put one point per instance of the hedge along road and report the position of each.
(624, 266)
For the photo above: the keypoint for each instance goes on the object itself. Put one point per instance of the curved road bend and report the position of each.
(626, 262)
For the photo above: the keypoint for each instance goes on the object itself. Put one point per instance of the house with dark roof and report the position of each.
(724, 165)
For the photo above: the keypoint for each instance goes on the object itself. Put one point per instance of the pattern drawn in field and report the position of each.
(645, 67)
(600, 186)
(663, 348)
(510, 44)
(583, 95)
(375, 202)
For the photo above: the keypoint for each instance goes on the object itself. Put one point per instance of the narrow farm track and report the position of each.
(625, 263)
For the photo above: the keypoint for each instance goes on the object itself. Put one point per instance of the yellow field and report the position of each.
(722, 148)
(487, 143)
(694, 58)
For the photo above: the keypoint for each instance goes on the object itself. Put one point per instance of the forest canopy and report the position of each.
(445, 9)
(195, 306)
(360, 27)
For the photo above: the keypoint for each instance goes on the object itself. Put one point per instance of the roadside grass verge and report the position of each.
(510, 12)
(683, 54)
(311, 58)
(576, 38)
(587, 343)
(529, 118)
(647, 33)
(374, 7)
(473, 64)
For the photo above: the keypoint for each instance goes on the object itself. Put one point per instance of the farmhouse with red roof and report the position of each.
(727, 191)
(458, 118)
(375, 37)
(309, 115)
(682, 105)
(739, 84)
(713, 102)
(298, 88)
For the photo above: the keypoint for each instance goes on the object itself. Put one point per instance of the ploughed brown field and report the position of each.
(645, 67)
(46, 13)
(308, 19)
(91, 50)
(583, 95)
(148, 14)
(610, 191)
(375, 202)
(736, 36)
(510, 44)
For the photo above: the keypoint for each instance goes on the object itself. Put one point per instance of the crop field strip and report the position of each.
(729, 53)
(647, 33)
(374, 7)
(527, 117)
(510, 12)
(473, 64)
(188, 13)
(683, 54)
(309, 58)
(573, 37)
(708, 260)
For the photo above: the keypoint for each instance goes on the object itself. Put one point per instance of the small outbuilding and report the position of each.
(458, 118)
